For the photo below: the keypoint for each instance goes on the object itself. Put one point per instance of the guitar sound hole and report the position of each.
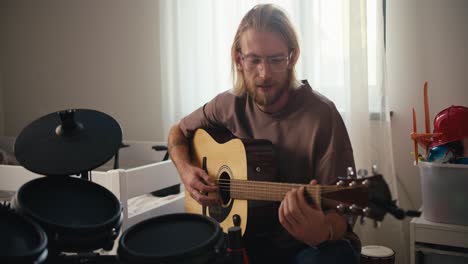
(220, 213)
(225, 188)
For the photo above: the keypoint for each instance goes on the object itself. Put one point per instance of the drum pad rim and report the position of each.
(194, 251)
(29, 212)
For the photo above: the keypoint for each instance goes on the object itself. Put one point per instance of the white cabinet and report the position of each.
(437, 243)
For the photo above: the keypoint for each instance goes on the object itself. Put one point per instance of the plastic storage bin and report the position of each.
(444, 192)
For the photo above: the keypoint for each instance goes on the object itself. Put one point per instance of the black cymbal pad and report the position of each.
(68, 142)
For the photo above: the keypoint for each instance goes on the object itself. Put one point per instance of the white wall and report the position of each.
(426, 40)
(98, 54)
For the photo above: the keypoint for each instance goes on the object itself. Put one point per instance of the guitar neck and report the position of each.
(267, 191)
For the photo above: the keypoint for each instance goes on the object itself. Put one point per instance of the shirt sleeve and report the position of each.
(204, 117)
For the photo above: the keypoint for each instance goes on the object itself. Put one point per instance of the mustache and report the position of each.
(264, 83)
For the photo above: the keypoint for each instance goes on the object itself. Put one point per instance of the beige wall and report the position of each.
(426, 40)
(98, 54)
(2, 43)
(1, 103)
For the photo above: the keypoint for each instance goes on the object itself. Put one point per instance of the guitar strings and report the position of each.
(313, 188)
(263, 191)
(278, 189)
(268, 195)
(249, 184)
(265, 195)
(282, 189)
(274, 184)
(273, 190)
(255, 189)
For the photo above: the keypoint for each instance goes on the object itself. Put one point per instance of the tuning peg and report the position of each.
(374, 169)
(341, 208)
(362, 173)
(366, 183)
(350, 173)
(352, 184)
(366, 211)
(341, 183)
(355, 209)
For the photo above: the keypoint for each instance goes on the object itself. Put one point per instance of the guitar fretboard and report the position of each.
(268, 191)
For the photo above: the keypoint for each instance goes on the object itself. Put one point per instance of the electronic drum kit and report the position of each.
(66, 218)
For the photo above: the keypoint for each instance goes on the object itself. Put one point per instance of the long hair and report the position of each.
(265, 17)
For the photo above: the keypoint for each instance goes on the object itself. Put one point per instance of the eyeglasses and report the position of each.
(276, 63)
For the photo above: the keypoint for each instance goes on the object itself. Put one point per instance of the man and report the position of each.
(312, 145)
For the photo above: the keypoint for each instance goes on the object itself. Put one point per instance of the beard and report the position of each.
(266, 99)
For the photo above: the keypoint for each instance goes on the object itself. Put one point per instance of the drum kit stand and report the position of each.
(65, 217)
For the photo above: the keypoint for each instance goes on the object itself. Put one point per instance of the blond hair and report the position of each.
(265, 17)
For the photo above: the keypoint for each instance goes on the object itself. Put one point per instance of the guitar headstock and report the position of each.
(366, 196)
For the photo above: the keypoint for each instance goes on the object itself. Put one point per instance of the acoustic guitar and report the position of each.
(234, 162)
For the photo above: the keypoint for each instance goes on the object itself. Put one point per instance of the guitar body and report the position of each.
(235, 159)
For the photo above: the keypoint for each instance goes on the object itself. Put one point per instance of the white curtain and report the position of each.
(368, 118)
(342, 56)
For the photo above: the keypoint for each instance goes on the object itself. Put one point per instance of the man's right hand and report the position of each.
(197, 183)
(200, 186)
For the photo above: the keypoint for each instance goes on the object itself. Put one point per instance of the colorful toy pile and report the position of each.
(449, 141)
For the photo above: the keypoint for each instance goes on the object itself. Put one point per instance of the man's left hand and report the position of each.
(306, 222)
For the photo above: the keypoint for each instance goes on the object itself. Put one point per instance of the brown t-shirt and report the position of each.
(309, 136)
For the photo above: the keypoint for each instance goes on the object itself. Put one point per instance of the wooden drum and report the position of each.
(373, 254)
